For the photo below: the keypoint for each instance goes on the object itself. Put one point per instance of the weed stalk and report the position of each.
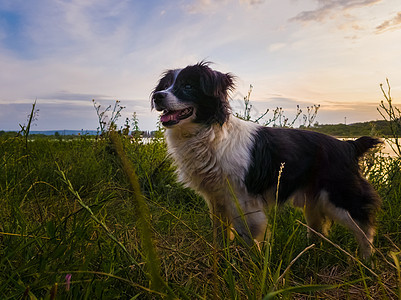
(143, 218)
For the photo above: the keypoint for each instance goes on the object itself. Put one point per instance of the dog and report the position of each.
(240, 167)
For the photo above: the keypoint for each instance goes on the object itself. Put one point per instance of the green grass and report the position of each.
(67, 208)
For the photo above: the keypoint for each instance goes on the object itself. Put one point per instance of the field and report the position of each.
(104, 218)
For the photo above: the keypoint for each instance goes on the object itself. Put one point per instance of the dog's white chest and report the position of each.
(207, 160)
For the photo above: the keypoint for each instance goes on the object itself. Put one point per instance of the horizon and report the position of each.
(64, 54)
(237, 105)
(32, 131)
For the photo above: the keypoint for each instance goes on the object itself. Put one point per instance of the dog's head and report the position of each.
(194, 94)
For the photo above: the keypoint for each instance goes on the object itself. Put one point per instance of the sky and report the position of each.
(63, 54)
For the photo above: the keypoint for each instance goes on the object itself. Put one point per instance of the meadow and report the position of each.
(104, 218)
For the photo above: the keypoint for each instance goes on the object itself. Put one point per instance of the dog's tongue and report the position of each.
(170, 116)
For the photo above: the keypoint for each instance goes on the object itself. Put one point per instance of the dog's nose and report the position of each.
(158, 97)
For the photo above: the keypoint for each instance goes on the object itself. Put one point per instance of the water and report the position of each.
(387, 149)
(388, 146)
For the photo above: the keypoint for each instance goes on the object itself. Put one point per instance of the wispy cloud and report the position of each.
(338, 112)
(70, 114)
(68, 96)
(204, 6)
(391, 24)
(214, 6)
(276, 47)
(330, 8)
(252, 2)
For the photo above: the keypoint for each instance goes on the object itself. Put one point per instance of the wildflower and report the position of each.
(68, 282)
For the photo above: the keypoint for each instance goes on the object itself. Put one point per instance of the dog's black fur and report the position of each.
(313, 161)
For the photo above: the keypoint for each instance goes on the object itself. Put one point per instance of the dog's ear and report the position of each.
(218, 85)
(225, 84)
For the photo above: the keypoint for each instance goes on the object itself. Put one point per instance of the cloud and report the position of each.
(252, 2)
(330, 8)
(276, 47)
(214, 6)
(332, 112)
(348, 106)
(73, 28)
(204, 6)
(67, 96)
(391, 24)
(71, 114)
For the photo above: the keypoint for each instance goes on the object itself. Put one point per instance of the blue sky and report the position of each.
(294, 52)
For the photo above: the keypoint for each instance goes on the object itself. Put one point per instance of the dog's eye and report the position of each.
(188, 87)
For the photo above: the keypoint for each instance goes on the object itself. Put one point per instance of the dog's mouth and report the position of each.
(173, 117)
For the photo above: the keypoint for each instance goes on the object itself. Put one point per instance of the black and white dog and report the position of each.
(235, 164)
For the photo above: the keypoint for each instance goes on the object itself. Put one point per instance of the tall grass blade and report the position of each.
(299, 289)
(143, 218)
(395, 257)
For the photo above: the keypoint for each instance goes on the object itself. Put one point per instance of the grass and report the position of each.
(105, 218)
(69, 211)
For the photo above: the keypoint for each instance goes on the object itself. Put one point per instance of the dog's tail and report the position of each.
(363, 144)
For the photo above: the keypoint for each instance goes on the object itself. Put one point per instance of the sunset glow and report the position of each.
(65, 53)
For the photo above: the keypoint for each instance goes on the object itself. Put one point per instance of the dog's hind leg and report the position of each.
(314, 215)
(316, 220)
(364, 232)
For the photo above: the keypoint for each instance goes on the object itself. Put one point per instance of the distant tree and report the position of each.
(58, 136)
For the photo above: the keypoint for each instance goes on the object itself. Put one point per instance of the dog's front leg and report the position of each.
(250, 222)
(221, 219)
